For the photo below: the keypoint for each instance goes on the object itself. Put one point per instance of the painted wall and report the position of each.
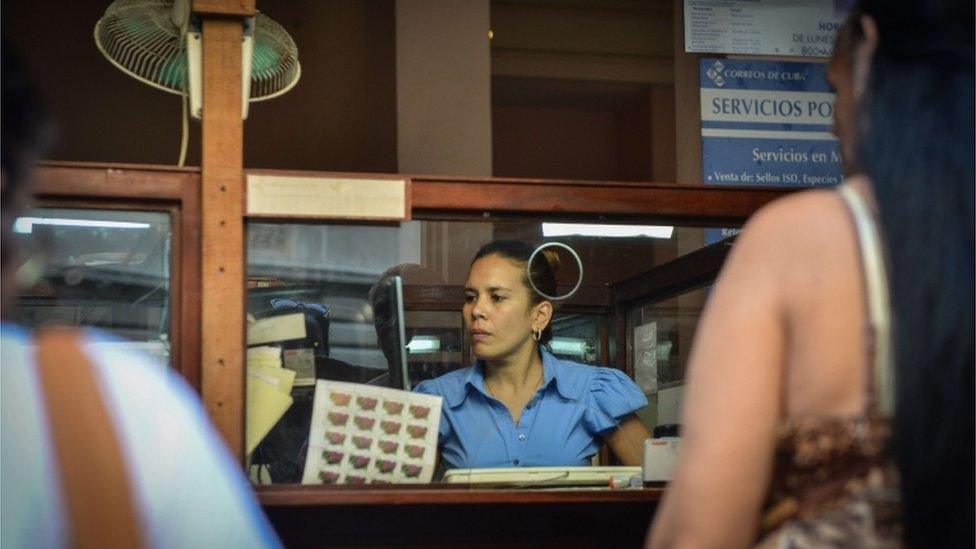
(340, 116)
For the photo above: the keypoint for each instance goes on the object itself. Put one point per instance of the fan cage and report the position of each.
(139, 38)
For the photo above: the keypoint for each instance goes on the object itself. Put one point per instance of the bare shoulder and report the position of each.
(799, 240)
(800, 221)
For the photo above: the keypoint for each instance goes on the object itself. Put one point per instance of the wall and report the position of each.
(580, 89)
(340, 116)
(554, 143)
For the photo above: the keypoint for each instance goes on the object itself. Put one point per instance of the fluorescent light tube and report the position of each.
(25, 225)
(611, 231)
(424, 344)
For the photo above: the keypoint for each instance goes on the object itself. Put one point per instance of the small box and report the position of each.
(660, 455)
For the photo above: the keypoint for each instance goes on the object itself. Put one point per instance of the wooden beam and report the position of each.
(657, 71)
(692, 270)
(704, 205)
(686, 105)
(113, 181)
(222, 227)
(242, 8)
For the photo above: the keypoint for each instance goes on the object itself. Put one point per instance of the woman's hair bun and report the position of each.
(552, 258)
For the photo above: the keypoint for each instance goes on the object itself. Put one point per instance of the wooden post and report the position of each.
(222, 261)
(686, 105)
(224, 7)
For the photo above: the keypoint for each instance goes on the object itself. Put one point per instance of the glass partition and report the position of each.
(323, 292)
(576, 337)
(661, 336)
(100, 268)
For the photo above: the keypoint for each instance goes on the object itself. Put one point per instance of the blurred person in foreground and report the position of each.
(100, 447)
(840, 78)
(830, 399)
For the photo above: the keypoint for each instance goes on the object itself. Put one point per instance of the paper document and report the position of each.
(367, 434)
(264, 352)
(276, 328)
(281, 378)
(303, 362)
(265, 355)
(645, 357)
(266, 403)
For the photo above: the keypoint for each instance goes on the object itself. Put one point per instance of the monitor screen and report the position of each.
(392, 331)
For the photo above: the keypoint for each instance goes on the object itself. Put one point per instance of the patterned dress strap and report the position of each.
(881, 382)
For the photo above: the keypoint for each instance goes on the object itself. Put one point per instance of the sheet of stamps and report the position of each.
(363, 434)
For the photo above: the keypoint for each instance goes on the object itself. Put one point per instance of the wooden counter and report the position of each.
(436, 515)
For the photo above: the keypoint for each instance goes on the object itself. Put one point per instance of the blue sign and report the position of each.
(767, 123)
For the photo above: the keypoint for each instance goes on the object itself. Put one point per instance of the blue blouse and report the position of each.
(561, 425)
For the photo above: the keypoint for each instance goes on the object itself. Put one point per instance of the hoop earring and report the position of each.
(537, 335)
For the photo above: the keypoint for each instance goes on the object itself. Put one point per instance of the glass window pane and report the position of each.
(107, 269)
(337, 279)
(662, 334)
(577, 337)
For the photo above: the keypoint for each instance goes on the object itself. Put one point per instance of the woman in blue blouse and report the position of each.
(519, 406)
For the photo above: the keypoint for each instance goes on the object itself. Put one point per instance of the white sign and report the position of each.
(805, 28)
(327, 197)
(645, 357)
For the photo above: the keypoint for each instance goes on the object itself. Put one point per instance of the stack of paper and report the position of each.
(268, 392)
(276, 328)
(284, 328)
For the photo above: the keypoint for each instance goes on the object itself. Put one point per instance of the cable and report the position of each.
(184, 141)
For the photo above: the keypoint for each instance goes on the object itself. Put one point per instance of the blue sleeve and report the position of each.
(432, 387)
(610, 397)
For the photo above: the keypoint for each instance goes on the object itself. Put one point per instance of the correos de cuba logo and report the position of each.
(715, 73)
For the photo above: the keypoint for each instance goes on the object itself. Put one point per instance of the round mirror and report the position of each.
(555, 271)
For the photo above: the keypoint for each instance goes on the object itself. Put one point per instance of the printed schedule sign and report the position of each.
(805, 28)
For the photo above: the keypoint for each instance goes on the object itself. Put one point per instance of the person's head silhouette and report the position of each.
(385, 320)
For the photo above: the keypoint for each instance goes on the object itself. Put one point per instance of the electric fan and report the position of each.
(158, 43)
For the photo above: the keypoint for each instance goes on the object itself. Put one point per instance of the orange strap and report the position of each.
(93, 472)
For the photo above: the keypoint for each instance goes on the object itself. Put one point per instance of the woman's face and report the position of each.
(498, 313)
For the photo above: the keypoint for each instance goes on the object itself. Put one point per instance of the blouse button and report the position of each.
(521, 436)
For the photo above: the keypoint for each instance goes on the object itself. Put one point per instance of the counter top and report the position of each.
(291, 495)
(458, 515)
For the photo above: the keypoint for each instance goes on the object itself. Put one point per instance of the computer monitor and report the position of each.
(391, 330)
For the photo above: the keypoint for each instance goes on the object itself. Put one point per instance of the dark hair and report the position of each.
(915, 142)
(26, 133)
(543, 270)
(26, 129)
(380, 298)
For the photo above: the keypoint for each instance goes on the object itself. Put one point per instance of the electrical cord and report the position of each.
(185, 139)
